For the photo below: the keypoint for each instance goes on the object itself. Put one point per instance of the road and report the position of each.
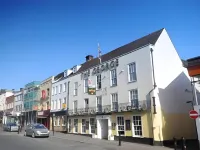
(10, 141)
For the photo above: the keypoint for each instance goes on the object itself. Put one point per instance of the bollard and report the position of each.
(175, 143)
(119, 138)
(183, 143)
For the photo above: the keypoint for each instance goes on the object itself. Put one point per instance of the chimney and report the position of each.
(21, 89)
(89, 57)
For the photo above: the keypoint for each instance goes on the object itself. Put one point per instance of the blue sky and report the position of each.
(41, 38)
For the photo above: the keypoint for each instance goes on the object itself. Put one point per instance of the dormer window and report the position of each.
(74, 69)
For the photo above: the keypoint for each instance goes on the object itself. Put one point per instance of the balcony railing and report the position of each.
(115, 107)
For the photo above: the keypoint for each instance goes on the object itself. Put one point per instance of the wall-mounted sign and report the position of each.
(105, 67)
(100, 69)
(64, 105)
(40, 113)
(43, 94)
(91, 91)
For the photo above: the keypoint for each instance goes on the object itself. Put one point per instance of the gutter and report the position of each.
(67, 111)
(152, 90)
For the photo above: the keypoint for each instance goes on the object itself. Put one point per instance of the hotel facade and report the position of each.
(136, 91)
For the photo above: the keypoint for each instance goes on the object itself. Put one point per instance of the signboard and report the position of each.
(64, 105)
(43, 94)
(99, 69)
(91, 91)
(105, 67)
(40, 113)
(194, 114)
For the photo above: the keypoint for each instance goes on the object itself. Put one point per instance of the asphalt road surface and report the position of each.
(13, 141)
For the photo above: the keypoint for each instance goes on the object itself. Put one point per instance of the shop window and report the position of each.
(75, 125)
(92, 125)
(137, 125)
(120, 125)
(83, 126)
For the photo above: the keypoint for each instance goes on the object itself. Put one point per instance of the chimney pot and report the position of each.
(89, 57)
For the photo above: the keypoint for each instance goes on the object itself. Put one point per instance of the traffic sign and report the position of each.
(194, 114)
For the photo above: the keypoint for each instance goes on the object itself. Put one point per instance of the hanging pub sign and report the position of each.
(105, 67)
(91, 91)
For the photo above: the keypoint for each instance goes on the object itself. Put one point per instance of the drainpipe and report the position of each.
(67, 114)
(154, 87)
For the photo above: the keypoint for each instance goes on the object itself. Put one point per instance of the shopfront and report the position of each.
(43, 117)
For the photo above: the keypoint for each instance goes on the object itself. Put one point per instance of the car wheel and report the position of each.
(33, 135)
(25, 133)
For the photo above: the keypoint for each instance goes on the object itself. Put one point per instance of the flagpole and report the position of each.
(99, 53)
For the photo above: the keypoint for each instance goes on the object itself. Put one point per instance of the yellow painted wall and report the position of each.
(178, 125)
(146, 122)
(168, 125)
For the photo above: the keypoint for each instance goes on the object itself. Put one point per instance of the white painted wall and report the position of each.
(171, 77)
(18, 102)
(143, 84)
(3, 99)
(57, 96)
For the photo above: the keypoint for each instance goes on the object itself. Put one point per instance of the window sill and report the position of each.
(113, 86)
(132, 81)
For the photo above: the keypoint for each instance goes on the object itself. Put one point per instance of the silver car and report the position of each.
(11, 127)
(36, 130)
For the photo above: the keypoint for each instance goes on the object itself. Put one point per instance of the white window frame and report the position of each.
(111, 97)
(55, 121)
(74, 105)
(76, 125)
(60, 88)
(60, 102)
(83, 126)
(85, 87)
(135, 71)
(58, 121)
(111, 77)
(92, 125)
(75, 88)
(63, 121)
(65, 87)
(120, 125)
(85, 105)
(52, 105)
(134, 99)
(98, 82)
(133, 129)
(97, 103)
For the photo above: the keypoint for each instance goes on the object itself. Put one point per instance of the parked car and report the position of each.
(11, 127)
(36, 130)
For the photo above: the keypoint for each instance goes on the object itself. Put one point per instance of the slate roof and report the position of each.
(148, 39)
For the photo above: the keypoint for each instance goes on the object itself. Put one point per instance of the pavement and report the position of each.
(60, 141)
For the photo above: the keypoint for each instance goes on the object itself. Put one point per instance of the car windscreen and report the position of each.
(12, 124)
(39, 126)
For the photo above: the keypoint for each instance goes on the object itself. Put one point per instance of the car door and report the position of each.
(28, 130)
